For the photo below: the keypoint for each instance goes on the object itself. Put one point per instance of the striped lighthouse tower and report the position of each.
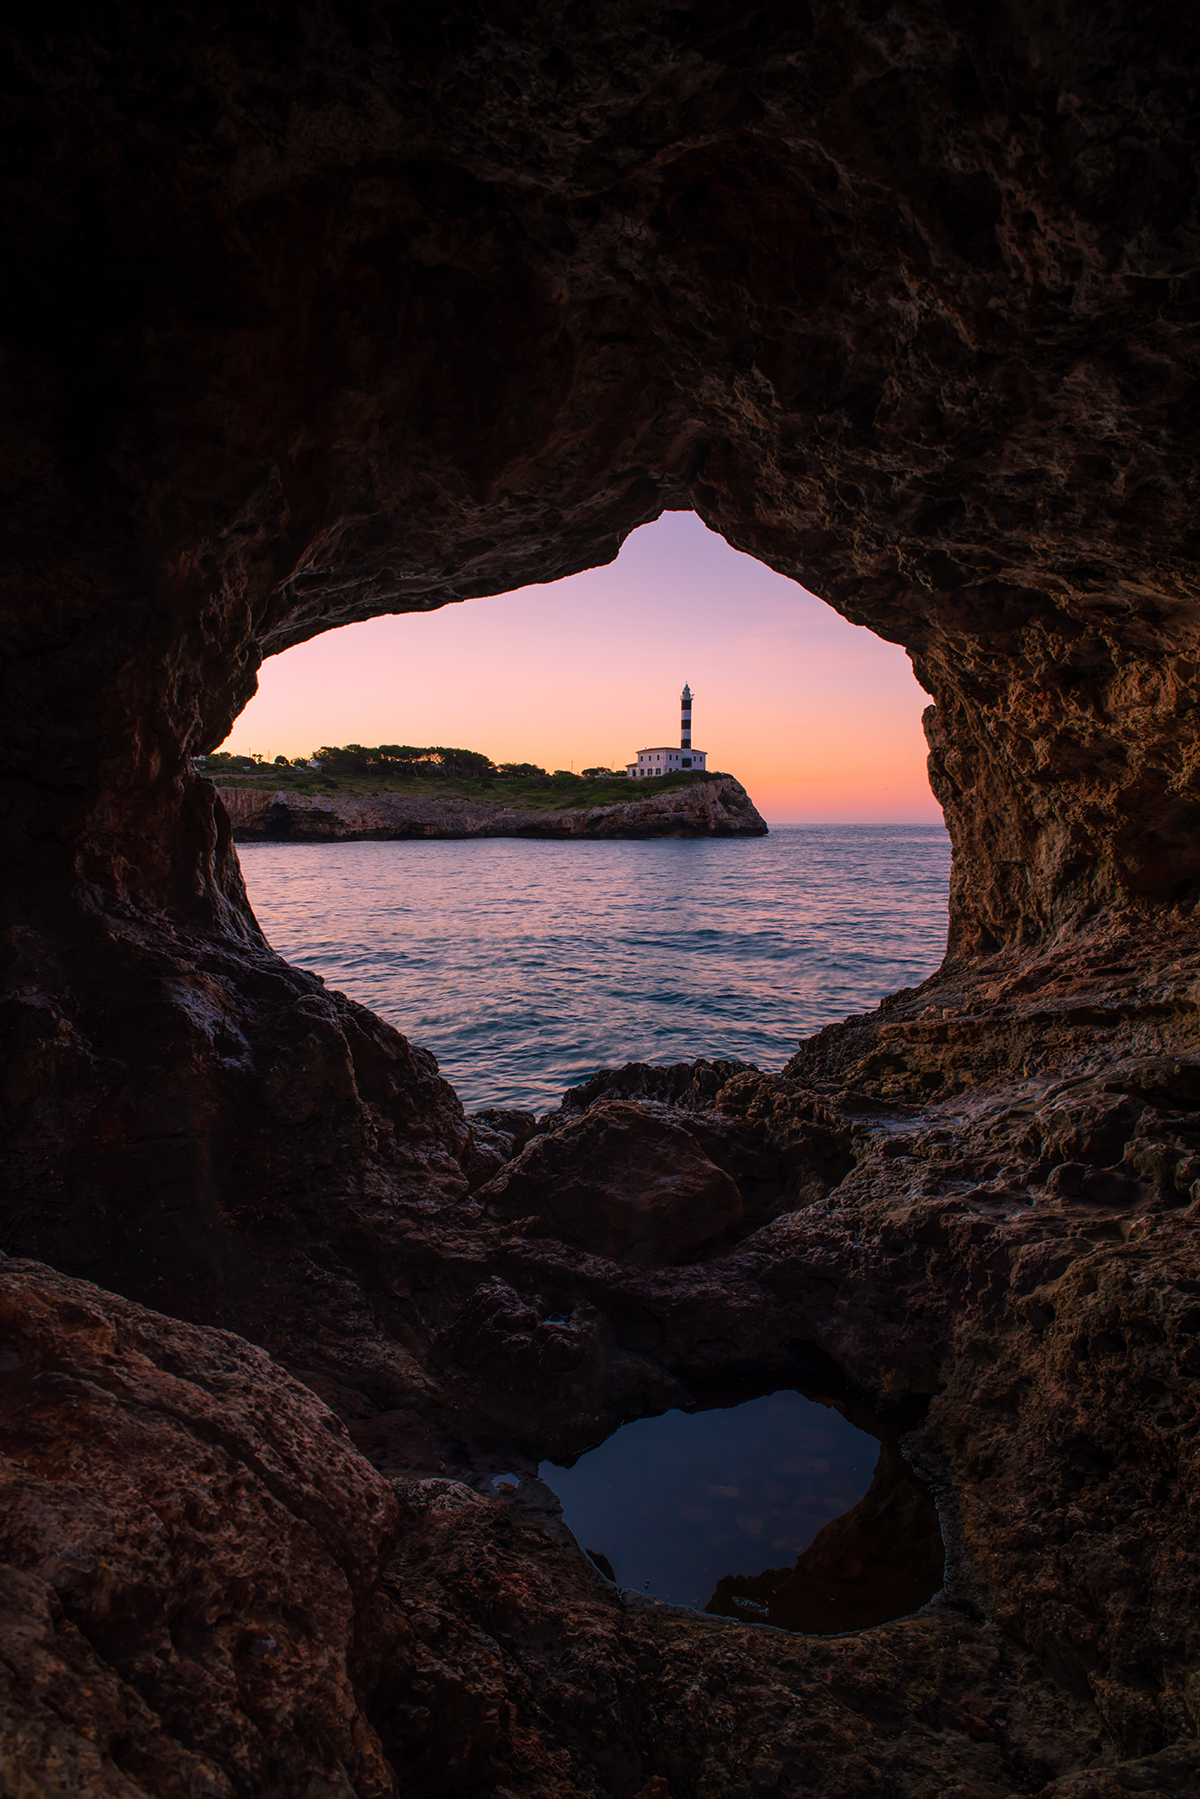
(663, 758)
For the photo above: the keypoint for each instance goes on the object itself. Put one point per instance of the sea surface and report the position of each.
(527, 966)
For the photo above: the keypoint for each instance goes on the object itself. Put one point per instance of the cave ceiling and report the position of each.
(320, 311)
(328, 312)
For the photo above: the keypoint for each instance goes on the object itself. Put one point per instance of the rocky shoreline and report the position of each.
(716, 808)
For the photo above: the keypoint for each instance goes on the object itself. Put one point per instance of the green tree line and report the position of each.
(407, 761)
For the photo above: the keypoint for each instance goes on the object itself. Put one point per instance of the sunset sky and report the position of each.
(818, 718)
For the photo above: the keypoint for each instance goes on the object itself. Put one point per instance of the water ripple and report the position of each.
(527, 966)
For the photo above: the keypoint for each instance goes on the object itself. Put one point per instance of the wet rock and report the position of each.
(620, 1182)
(631, 1689)
(686, 1086)
(512, 1126)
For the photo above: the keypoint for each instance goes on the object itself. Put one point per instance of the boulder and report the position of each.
(621, 1183)
(497, 1134)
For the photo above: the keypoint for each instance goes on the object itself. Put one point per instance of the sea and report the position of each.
(527, 966)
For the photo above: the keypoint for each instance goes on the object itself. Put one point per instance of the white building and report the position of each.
(663, 758)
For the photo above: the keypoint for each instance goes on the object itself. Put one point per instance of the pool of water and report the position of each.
(777, 1511)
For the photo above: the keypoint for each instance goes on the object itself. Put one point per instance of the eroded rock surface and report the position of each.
(192, 1549)
(414, 312)
(185, 1113)
(1037, 1345)
(881, 1559)
(369, 310)
(719, 807)
(417, 311)
(621, 1183)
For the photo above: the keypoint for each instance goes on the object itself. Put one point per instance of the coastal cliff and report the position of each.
(715, 808)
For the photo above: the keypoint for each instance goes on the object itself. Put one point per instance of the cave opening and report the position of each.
(357, 310)
(657, 936)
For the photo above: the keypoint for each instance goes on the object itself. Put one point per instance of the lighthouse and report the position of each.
(663, 759)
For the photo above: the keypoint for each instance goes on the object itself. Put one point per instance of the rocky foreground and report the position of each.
(716, 808)
(973, 1216)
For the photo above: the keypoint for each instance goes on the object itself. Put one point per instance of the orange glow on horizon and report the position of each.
(820, 719)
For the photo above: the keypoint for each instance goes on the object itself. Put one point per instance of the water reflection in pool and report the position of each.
(776, 1511)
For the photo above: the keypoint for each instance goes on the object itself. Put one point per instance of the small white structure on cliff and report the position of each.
(662, 759)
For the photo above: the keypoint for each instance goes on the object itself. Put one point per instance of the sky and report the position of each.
(819, 719)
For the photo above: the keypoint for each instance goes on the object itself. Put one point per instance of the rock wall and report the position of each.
(415, 313)
(716, 808)
(339, 311)
(369, 316)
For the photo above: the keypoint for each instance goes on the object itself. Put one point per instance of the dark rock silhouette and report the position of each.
(320, 314)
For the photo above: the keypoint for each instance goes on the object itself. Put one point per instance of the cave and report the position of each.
(317, 313)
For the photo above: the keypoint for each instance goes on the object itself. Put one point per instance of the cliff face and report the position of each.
(329, 312)
(720, 808)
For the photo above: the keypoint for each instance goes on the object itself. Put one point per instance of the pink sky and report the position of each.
(818, 718)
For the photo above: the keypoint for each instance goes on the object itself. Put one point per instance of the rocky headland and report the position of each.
(350, 311)
(718, 807)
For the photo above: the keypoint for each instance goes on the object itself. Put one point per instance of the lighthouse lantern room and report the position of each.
(664, 759)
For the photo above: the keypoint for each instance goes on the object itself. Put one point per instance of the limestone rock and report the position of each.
(716, 807)
(375, 309)
(498, 1133)
(191, 1548)
(688, 1086)
(781, 1143)
(418, 312)
(622, 1183)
